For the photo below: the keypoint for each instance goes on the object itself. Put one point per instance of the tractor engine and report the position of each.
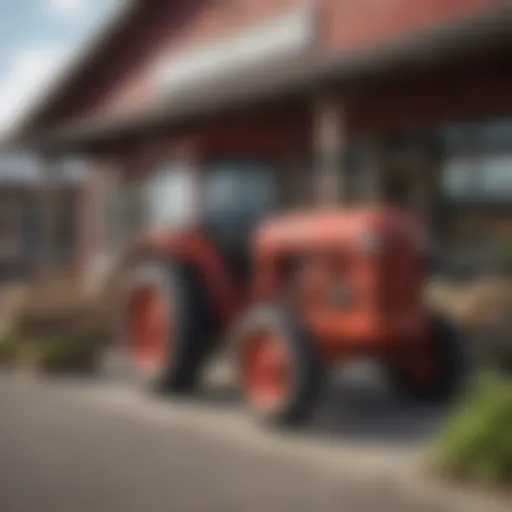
(355, 277)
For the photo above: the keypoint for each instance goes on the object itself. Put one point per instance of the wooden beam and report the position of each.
(330, 144)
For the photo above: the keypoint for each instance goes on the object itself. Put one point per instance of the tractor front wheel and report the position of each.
(432, 369)
(280, 371)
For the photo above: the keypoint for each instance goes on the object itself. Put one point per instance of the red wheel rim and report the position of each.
(265, 371)
(149, 327)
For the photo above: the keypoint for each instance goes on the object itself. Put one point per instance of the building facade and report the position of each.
(39, 220)
(357, 101)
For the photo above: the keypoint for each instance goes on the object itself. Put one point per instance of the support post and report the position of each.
(47, 200)
(93, 222)
(329, 146)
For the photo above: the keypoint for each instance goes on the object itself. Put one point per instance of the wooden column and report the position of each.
(102, 234)
(94, 212)
(119, 185)
(329, 146)
(47, 202)
(114, 213)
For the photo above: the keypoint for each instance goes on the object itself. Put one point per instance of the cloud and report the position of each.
(29, 75)
(67, 8)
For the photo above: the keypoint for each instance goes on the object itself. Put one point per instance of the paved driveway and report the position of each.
(76, 446)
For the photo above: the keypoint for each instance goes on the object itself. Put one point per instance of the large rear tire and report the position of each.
(280, 371)
(168, 326)
(434, 369)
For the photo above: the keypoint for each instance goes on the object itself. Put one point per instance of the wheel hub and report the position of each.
(149, 324)
(266, 371)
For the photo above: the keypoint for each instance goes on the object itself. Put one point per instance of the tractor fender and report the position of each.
(200, 254)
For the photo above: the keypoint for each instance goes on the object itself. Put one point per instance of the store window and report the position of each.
(169, 197)
(497, 176)
(10, 229)
(477, 193)
(478, 162)
(234, 187)
(160, 199)
(459, 178)
(486, 177)
(238, 195)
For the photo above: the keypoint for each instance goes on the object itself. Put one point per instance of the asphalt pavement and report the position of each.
(79, 445)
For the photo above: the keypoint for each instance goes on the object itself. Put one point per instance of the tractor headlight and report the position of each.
(371, 243)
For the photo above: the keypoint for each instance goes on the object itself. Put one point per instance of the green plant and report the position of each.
(507, 256)
(478, 441)
(69, 351)
(9, 343)
(54, 346)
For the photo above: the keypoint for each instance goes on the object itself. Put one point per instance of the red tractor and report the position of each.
(293, 294)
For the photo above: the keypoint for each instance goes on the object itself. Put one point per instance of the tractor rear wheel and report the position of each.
(433, 369)
(280, 371)
(167, 325)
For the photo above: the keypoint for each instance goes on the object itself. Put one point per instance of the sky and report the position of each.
(37, 39)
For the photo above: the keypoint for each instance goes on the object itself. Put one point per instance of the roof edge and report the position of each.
(36, 114)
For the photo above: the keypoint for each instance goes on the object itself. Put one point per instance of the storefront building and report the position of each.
(38, 223)
(344, 102)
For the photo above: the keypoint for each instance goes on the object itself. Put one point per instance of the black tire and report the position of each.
(452, 367)
(192, 320)
(307, 369)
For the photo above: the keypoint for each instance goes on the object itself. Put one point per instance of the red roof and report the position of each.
(42, 131)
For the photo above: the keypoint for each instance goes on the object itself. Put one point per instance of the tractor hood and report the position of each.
(333, 227)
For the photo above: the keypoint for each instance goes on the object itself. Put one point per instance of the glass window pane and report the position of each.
(458, 177)
(169, 197)
(241, 187)
(497, 175)
(496, 133)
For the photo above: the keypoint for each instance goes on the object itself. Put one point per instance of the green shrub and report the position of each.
(54, 350)
(507, 255)
(477, 444)
(9, 343)
(63, 352)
